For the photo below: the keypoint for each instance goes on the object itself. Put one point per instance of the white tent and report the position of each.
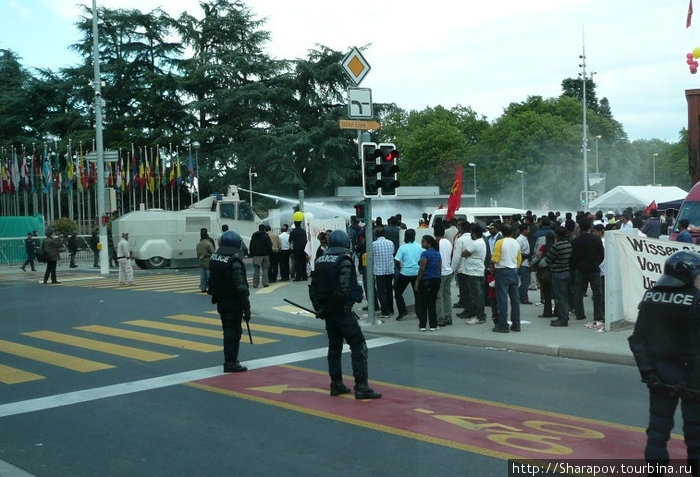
(637, 197)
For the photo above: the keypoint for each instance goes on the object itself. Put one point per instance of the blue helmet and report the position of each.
(231, 239)
(339, 238)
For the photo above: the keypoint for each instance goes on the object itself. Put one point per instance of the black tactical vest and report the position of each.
(671, 322)
(221, 275)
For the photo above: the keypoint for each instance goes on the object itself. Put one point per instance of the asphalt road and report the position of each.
(132, 386)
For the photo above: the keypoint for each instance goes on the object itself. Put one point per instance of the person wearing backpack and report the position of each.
(333, 291)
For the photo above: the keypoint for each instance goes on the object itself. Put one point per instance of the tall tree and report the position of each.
(15, 122)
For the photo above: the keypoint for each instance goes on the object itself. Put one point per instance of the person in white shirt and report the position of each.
(444, 298)
(625, 222)
(126, 271)
(285, 252)
(473, 265)
(524, 270)
(507, 257)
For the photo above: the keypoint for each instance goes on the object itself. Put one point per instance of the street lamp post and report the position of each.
(473, 166)
(584, 146)
(522, 188)
(251, 174)
(597, 138)
(654, 169)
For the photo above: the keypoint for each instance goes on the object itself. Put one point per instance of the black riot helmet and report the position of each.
(230, 243)
(680, 270)
(339, 238)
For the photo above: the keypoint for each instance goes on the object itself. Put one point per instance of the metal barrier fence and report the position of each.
(13, 253)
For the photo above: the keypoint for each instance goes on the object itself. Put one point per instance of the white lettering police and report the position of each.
(219, 258)
(668, 297)
(327, 259)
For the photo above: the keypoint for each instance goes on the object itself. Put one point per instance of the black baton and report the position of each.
(249, 335)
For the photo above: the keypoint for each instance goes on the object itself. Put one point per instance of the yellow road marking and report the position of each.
(149, 338)
(253, 326)
(10, 375)
(271, 288)
(57, 359)
(95, 345)
(191, 330)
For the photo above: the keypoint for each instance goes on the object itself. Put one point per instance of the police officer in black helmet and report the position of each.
(666, 347)
(228, 287)
(333, 291)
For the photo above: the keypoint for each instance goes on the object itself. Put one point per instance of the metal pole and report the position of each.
(522, 188)
(585, 134)
(473, 166)
(654, 170)
(104, 258)
(250, 185)
(369, 270)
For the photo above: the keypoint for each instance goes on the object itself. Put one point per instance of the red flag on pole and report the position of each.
(690, 14)
(455, 198)
(650, 207)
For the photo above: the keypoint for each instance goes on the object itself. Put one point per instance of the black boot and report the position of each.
(338, 388)
(234, 367)
(363, 391)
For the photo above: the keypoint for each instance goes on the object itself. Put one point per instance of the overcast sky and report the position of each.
(484, 55)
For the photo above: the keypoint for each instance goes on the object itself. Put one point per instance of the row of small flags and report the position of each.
(32, 173)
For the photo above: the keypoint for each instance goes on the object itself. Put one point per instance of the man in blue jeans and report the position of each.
(507, 257)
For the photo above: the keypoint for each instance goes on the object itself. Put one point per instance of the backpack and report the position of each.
(40, 255)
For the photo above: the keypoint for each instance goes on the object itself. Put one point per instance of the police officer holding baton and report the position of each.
(333, 291)
(228, 287)
(666, 347)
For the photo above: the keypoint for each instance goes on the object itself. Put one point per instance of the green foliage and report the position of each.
(64, 226)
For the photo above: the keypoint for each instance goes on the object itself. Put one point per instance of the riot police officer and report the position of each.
(228, 287)
(666, 347)
(333, 291)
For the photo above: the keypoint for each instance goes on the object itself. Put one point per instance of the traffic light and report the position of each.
(388, 158)
(370, 169)
(360, 210)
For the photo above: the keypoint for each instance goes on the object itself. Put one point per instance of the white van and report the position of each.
(481, 215)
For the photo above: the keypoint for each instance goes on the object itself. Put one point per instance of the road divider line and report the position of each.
(86, 395)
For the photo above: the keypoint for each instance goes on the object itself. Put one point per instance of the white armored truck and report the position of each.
(161, 238)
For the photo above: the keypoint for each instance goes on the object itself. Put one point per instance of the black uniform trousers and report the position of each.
(343, 326)
(231, 314)
(662, 407)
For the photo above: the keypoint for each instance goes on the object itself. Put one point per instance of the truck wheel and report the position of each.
(156, 262)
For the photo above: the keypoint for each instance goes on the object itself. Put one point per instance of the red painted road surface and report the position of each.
(475, 425)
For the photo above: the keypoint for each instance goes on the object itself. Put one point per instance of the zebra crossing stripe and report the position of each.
(101, 346)
(51, 357)
(10, 375)
(191, 330)
(151, 338)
